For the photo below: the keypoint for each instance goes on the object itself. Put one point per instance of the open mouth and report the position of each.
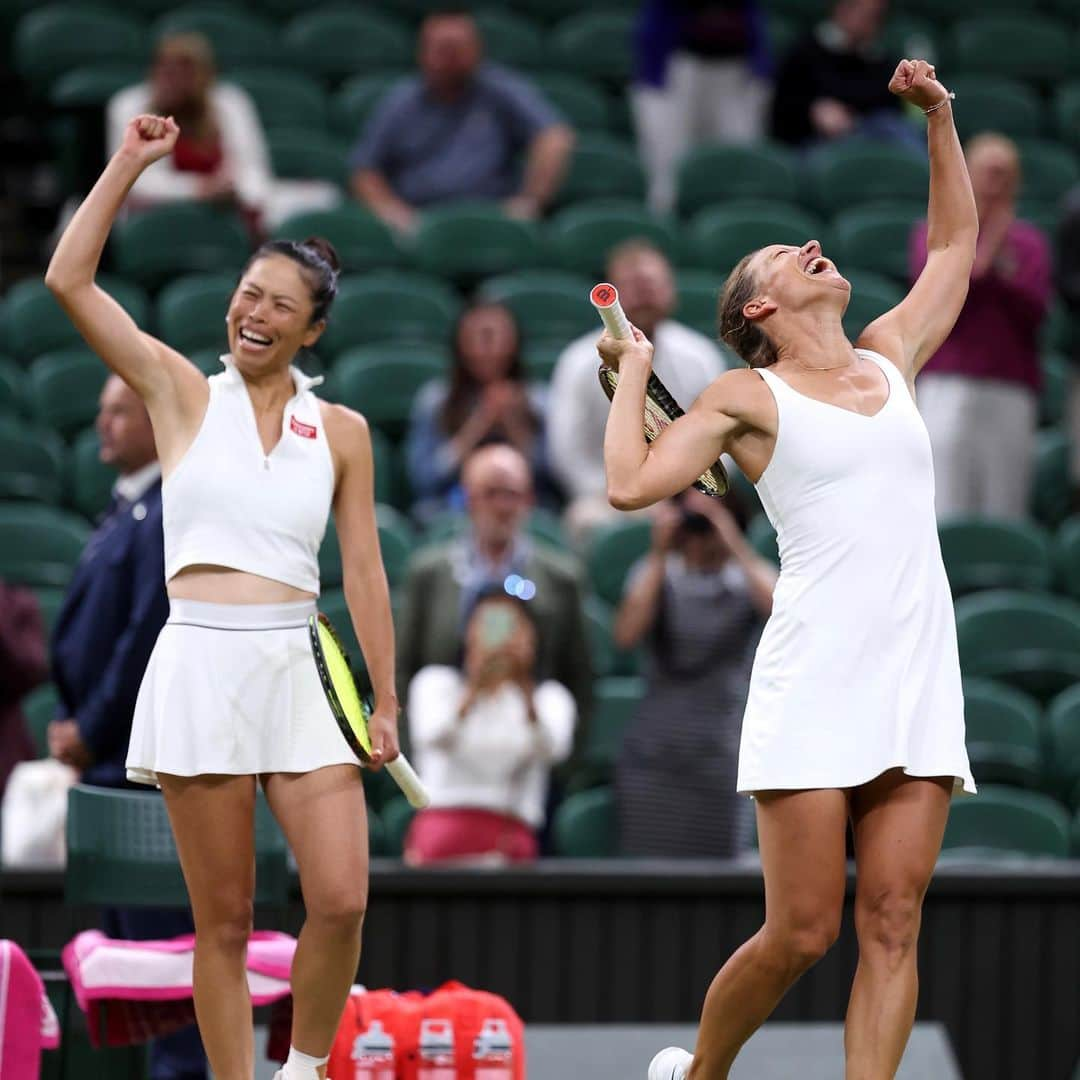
(817, 266)
(253, 339)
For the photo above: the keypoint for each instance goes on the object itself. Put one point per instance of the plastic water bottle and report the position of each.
(373, 1054)
(493, 1052)
(437, 1051)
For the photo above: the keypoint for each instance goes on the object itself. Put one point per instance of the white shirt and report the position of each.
(495, 757)
(134, 485)
(685, 361)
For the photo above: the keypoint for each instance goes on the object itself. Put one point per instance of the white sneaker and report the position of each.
(670, 1064)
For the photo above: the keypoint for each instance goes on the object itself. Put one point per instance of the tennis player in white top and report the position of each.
(252, 463)
(855, 711)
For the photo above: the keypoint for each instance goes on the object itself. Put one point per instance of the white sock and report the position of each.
(300, 1066)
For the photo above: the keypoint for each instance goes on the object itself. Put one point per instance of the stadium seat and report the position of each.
(762, 538)
(585, 106)
(1067, 113)
(31, 462)
(59, 37)
(1063, 745)
(1067, 556)
(90, 481)
(602, 166)
(721, 236)
(1028, 640)
(596, 44)
(1009, 820)
(852, 172)
(957, 8)
(1050, 170)
(993, 103)
(50, 600)
(237, 36)
(11, 391)
(330, 572)
(355, 101)
(37, 323)
(871, 295)
(63, 388)
(1028, 46)
(908, 34)
(875, 238)
(362, 241)
(544, 302)
(1003, 733)
(606, 658)
(511, 39)
(396, 816)
(179, 238)
(39, 708)
(300, 154)
(1051, 492)
(389, 306)
(713, 174)
(391, 486)
(615, 702)
(1056, 378)
(396, 541)
(285, 99)
(581, 236)
(984, 553)
(332, 43)
(470, 241)
(585, 825)
(697, 294)
(39, 545)
(541, 356)
(612, 551)
(92, 86)
(191, 312)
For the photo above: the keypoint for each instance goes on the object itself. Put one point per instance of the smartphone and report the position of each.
(497, 625)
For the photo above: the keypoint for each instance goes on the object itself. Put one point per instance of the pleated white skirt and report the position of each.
(232, 689)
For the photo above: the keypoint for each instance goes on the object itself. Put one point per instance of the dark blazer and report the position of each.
(106, 630)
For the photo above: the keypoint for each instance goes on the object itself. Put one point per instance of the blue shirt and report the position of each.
(433, 151)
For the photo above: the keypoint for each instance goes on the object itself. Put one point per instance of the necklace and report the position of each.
(810, 367)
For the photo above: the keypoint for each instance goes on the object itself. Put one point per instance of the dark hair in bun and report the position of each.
(319, 261)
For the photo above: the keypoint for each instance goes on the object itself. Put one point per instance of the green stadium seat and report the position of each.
(871, 296)
(179, 238)
(1059, 329)
(993, 103)
(984, 553)
(615, 702)
(541, 356)
(469, 241)
(1067, 556)
(354, 103)
(544, 302)
(582, 236)
(697, 294)
(875, 238)
(391, 486)
(585, 825)
(285, 99)
(1049, 169)
(39, 545)
(381, 382)
(612, 551)
(63, 388)
(50, 600)
(11, 388)
(330, 572)
(301, 154)
(957, 9)
(1067, 113)
(596, 44)
(1028, 46)
(1063, 745)
(585, 106)
(1029, 640)
(1003, 733)
(376, 833)
(1056, 380)
(391, 306)
(602, 166)
(715, 174)
(1051, 492)
(853, 172)
(39, 708)
(92, 86)
(397, 816)
(762, 537)
(31, 462)
(1009, 820)
(91, 482)
(722, 235)
(208, 360)
(237, 36)
(511, 39)
(37, 323)
(550, 11)
(332, 43)
(59, 37)
(607, 659)
(782, 31)
(906, 34)
(191, 312)
(362, 241)
(397, 542)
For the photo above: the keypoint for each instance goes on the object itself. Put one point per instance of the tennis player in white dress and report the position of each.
(253, 463)
(855, 710)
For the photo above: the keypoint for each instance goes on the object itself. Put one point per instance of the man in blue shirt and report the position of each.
(458, 130)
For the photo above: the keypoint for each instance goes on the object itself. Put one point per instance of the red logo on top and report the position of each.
(306, 431)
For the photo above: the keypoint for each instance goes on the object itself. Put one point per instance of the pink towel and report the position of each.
(27, 1022)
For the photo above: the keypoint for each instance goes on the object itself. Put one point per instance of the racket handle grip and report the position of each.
(412, 787)
(605, 298)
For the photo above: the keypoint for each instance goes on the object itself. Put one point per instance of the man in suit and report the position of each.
(105, 631)
(444, 580)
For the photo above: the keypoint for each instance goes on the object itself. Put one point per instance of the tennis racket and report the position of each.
(661, 409)
(351, 711)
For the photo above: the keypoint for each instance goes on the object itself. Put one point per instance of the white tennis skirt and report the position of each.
(232, 689)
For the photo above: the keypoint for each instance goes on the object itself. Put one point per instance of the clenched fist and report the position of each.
(148, 138)
(916, 81)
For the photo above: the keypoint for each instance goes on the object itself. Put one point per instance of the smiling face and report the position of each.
(794, 278)
(269, 317)
(487, 341)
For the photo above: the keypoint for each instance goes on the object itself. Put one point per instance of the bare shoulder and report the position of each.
(345, 428)
(883, 337)
(740, 394)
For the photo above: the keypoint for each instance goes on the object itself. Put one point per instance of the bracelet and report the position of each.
(944, 101)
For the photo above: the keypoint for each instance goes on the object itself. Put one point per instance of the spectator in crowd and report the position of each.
(485, 400)
(457, 131)
(1068, 283)
(486, 735)
(834, 83)
(697, 602)
(979, 393)
(701, 71)
(105, 631)
(496, 552)
(685, 361)
(24, 664)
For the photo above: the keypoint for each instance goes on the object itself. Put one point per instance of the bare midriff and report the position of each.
(222, 585)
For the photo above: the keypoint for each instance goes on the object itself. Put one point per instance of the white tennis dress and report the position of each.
(857, 670)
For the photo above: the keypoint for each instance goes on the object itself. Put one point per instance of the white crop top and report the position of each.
(229, 504)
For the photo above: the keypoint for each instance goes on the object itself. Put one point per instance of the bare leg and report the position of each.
(898, 822)
(801, 836)
(325, 820)
(213, 822)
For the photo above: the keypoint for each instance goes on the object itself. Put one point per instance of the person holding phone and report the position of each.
(486, 735)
